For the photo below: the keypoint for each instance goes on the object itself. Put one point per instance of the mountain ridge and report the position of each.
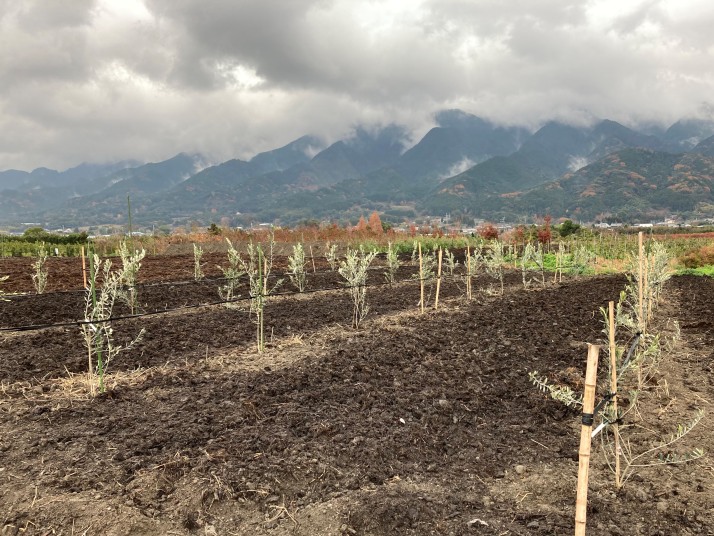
(465, 165)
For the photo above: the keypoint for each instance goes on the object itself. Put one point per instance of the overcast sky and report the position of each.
(104, 80)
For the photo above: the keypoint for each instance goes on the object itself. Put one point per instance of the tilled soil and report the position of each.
(414, 424)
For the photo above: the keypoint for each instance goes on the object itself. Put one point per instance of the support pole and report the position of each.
(421, 280)
(84, 268)
(581, 503)
(647, 292)
(613, 389)
(438, 282)
(468, 272)
(640, 282)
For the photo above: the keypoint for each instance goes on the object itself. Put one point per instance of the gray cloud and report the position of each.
(103, 80)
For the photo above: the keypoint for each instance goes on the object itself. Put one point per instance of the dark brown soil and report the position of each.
(415, 424)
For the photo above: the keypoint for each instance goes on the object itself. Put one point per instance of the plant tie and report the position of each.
(604, 402)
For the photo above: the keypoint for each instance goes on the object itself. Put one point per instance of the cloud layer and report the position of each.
(99, 80)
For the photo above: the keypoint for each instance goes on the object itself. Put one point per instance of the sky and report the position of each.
(107, 80)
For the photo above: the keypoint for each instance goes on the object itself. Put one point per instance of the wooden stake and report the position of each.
(640, 282)
(421, 280)
(557, 262)
(648, 291)
(313, 261)
(262, 278)
(581, 503)
(613, 389)
(84, 268)
(438, 282)
(468, 272)
(265, 276)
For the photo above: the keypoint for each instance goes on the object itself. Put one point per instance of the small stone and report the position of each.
(487, 502)
(533, 525)
(641, 495)
(662, 506)
(444, 403)
(520, 469)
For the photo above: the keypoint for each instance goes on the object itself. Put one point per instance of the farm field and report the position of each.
(413, 424)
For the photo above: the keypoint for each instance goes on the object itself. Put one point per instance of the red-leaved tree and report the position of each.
(544, 233)
(361, 224)
(488, 231)
(375, 224)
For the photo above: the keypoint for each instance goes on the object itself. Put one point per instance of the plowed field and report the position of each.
(413, 424)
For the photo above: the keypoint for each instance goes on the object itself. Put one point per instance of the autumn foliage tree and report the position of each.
(375, 224)
(488, 231)
(545, 233)
(361, 224)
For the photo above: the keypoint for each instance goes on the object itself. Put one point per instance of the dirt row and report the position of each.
(416, 424)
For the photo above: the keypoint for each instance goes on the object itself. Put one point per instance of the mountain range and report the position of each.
(465, 166)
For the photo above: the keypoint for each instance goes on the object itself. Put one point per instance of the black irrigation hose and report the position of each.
(39, 327)
(29, 295)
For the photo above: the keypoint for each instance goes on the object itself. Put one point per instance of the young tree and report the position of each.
(2, 292)
(39, 277)
(354, 269)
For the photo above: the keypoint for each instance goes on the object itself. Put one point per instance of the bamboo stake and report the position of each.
(421, 280)
(640, 281)
(84, 268)
(557, 263)
(581, 503)
(90, 369)
(648, 290)
(313, 261)
(131, 231)
(261, 303)
(613, 389)
(265, 276)
(438, 282)
(468, 272)
(640, 305)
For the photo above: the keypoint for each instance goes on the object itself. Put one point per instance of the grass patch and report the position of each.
(702, 270)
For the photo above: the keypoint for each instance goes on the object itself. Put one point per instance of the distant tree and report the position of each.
(375, 224)
(545, 233)
(519, 234)
(214, 229)
(568, 228)
(488, 231)
(34, 234)
(361, 224)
